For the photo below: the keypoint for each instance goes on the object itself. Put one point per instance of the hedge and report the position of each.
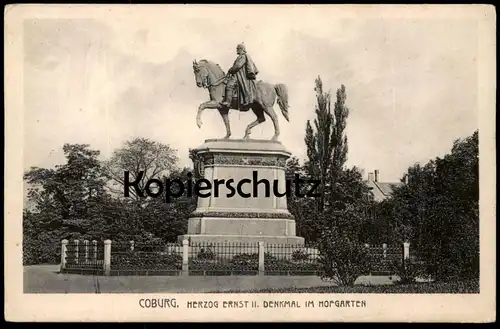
(146, 261)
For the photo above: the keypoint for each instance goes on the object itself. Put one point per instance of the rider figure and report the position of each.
(242, 74)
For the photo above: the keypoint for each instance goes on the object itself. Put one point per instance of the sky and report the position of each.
(411, 83)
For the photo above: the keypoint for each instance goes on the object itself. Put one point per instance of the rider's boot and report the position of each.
(228, 97)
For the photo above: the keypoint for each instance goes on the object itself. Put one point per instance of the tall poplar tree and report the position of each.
(326, 143)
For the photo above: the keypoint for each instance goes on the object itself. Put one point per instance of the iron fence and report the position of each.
(225, 258)
(131, 258)
(212, 259)
(384, 258)
(84, 257)
(284, 259)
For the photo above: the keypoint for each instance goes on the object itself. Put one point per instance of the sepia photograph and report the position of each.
(281, 163)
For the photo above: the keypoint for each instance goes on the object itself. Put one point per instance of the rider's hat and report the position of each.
(241, 46)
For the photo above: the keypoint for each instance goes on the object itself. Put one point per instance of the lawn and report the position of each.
(461, 287)
(47, 279)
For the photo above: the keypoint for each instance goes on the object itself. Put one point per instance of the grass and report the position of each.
(461, 287)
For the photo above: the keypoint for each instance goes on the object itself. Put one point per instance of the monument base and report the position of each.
(244, 239)
(255, 169)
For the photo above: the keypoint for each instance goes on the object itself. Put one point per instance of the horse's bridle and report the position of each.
(205, 83)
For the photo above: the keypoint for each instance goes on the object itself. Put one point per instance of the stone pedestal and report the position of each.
(247, 215)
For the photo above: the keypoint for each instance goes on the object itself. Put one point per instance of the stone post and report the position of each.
(94, 248)
(185, 257)
(64, 248)
(261, 258)
(406, 250)
(107, 257)
(86, 244)
(384, 250)
(367, 246)
(77, 250)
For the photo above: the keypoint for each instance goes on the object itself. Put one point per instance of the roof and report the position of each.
(387, 188)
(382, 190)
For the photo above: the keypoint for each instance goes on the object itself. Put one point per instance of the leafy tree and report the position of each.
(67, 202)
(169, 220)
(301, 207)
(66, 197)
(438, 211)
(71, 202)
(152, 158)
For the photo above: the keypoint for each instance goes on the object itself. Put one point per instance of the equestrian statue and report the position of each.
(239, 90)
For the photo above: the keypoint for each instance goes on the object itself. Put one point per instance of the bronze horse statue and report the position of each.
(210, 76)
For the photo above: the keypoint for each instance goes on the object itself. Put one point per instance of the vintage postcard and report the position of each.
(289, 163)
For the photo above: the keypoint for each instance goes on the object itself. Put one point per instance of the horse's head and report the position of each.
(201, 74)
(206, 73)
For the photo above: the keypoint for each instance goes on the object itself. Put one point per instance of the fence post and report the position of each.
(107, 257)
(131, 245)
(406, 250)
(185, 257)
(262, 268)
(77, 250)
(86, 244)
(384, 250)
(367, 246)
(64, 248)
(94, 246)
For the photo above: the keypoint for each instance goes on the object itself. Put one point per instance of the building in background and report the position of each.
(380, 190)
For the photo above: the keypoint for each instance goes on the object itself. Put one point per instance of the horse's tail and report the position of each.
(282, 93)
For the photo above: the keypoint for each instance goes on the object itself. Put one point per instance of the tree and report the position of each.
(335, 221)
(71, 202)
(327, 144)
(67, 203)
(67, 195)
(301, 208)
(438, 211)
(169, 220)
(154, 159)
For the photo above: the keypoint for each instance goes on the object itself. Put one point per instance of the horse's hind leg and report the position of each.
(224, 113)
(270, 111)
(267, 97)
(257, 109)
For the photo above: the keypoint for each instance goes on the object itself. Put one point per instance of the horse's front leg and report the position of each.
(225, 117)
(206, 105)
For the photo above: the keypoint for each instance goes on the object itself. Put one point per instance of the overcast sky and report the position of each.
(411, 83)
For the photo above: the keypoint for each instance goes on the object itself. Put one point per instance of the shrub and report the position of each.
(245, 259)
(269, 257)
(239, 264)
(278, 266)
(206, 254)
(144, 260)
(299, 255)
(40, 251)
(341, 259)
(408, 272)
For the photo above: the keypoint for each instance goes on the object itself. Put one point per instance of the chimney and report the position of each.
(370, 177)
(376, 175)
